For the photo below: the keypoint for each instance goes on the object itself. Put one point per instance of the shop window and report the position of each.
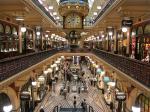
(1, 28)
(8, 29)
(134, 33)
(140, 30)
(147, 29)
(14, 31)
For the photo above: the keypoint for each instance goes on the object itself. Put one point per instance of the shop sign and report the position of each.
(127, 23)
(120, 96)
(25, 96)
(136, 109)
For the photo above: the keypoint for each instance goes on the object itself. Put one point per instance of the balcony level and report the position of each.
(137, 72)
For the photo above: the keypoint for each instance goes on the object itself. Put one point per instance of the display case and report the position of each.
(9, 43)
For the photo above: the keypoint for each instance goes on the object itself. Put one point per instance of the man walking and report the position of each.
(74, 102)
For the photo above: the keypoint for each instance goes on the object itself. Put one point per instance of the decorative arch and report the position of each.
(143, 102)
(119, 85)
(10, 92)
(132, 98)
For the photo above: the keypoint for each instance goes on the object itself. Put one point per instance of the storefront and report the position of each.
(41, 87)
(121, 42)
(140, 40)
(142, 104)
(9, 39)
(26, 97)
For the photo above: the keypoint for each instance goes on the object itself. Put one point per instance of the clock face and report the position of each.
(73, 20)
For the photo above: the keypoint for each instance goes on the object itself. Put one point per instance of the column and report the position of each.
(115, 41)
(34, 36)
(128, 42)
(20, 39)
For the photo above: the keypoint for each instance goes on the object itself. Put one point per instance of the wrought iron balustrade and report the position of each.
(36, 2)
(105, 8)
(14, 65)
(134, 68)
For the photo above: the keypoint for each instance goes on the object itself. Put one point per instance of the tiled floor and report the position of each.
(93, 98)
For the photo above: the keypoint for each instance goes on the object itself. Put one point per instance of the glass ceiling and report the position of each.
(90, 2)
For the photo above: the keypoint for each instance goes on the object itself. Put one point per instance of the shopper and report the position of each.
(79, 90)
(68, 88)
(84, 105)
(65, 93)
(74, 102)
(42, 110)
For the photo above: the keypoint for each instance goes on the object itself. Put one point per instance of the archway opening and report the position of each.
(4, 101)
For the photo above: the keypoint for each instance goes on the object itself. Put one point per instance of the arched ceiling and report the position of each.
(136, 9)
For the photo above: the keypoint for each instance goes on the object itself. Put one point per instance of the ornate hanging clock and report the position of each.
(73, 20)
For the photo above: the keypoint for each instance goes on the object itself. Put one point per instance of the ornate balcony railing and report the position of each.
(134, 68)
(104, 9)
(74, 2)
(36, 2)
(11, 66)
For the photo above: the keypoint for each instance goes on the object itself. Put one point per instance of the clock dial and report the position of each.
(73, 21)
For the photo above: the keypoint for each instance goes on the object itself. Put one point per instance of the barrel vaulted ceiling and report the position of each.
(33, 16)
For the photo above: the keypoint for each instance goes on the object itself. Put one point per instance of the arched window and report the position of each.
(147, 29)
(133, 33)
(1, 28)
(14, 31)
(8, 29)
(143, 102)
(140, 30)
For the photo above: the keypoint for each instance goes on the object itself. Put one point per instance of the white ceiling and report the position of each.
(92, 3)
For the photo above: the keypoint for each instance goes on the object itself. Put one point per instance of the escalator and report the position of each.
(61, 109)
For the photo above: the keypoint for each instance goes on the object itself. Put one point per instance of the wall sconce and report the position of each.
(46, 35)
(110, 33)
(103, 35)
(110, 30)
(23, 29)
(34, 83)
(38, 33)
(7, 108)
(124, 29)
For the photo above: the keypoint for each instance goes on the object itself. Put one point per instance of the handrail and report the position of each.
(104, 9)
(134, 68)
(9, 67)
(36, 2)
